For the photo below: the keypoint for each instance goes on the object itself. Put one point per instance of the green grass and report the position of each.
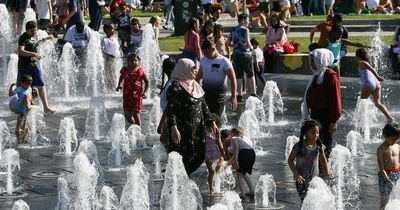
(348, 17)
(173, 43)
(138, 13)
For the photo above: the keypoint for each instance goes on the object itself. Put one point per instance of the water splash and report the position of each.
(379, 54)
(354, 143)
(94, 66)
(344, 183)
(256, 105)
(179, 192)
(5, 40)
(64, 194)
(365, 116)
(218, 206)
(394, 199)
(20, 205)
(36, 124)
(4, 136)
(29, 15)
(251, 129)
(96, 119)
(290, 142)
(135, 194)
(84, 183)
(12, 69)
(272, 100)
(68, 71)
(154, 116)
(265, 192)
(157, 160)
(118, 139)
(231, 200)
(67, 135)
(107, 199)
(224, 179)
(48, 62)
(136, 137)
(318, 195)
(10, 161)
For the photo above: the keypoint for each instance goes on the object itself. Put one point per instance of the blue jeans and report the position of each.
(169, 14)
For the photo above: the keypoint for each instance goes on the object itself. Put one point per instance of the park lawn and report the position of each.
(349, 17)
(173, 43)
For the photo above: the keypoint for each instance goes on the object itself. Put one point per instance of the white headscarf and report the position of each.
(323, 58)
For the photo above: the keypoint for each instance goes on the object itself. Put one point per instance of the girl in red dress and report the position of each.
(133, 93)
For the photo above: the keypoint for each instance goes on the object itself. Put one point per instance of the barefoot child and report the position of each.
(371, 82)
(20, 103)
(214, 152)
(309, 153)
(133, 93)
(242, 160)
(388, 160)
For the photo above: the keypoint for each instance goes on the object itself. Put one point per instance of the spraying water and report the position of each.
(89, 149)
(85, 181)
(318, 195)
(251, 129)
(290, 142)
(179, 192)
(95, 66)
(272, 100)
(29, 15)
(224, 179)
(344, 183)
(394, 199)
(231, 200)
(5, 39)
(64, 194)
(136, 137)
(118, 139)
(218, 206)
(20, 205)
(12, 69)
(379, 53)
(4, 136)
(135, 195)
(96, 119)
(157, 163)
(68, 71)
(155, 115)
(48, 62)
(10, 161)
(107, 199)
(365, 117)
(149, 53)
(265, 191)
(35, 122)
(354, 143)
(256, 105)
(67, 135)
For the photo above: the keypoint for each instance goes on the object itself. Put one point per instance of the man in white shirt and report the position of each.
(78, 35)
(214, 70)
(45, 13)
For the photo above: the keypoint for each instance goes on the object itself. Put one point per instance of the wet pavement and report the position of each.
(40, 167)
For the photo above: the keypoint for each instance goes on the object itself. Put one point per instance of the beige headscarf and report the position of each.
(183, 74)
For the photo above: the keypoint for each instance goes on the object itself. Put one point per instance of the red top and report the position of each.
(132, 89)
(191, 38)
(115, 4)
(326, 96)
(252, 5)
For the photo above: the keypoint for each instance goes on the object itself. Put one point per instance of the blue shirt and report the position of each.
(239, 38)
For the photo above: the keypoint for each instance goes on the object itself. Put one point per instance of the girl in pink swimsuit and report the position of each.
(371, 82)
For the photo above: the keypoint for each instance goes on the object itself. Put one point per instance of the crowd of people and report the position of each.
(193, 97)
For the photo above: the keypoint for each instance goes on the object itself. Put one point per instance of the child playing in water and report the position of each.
(133, 93)
(388, 160)
(258, 61)
(20, 103)
(111, 52)
(371, 82)
(242, 160)
(214, 152)
(309, 154)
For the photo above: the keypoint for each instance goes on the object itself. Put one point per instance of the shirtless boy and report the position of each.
(388, 161)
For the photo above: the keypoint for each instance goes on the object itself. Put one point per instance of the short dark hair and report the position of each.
(207, 44)
(168, 65)
(337, 18)
(254, 41)
(106, 27)
(26, 78)
(135, 21)
(133, 55)
(242, 17)
(362, 54)
(224, 134)
(30, 25)
(391, 130)
(312, 46)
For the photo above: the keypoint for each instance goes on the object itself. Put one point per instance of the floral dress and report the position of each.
(132, 89)
(190, 115)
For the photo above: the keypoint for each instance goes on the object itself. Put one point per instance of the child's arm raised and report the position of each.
(146, 85)
(366, 65)
(350, 43)
(382, 171)
(297, 177)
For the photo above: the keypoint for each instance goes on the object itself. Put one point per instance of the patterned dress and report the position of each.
(132, 89)
(190, 115)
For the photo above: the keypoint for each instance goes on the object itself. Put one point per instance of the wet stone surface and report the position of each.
(40, 189)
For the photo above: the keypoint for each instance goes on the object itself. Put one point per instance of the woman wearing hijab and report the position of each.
(275, 38)
(322, 99)
(187, 115)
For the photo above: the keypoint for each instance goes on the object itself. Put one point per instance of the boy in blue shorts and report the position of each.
(388, 160)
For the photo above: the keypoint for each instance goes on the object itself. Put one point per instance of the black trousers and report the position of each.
(215, 100)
